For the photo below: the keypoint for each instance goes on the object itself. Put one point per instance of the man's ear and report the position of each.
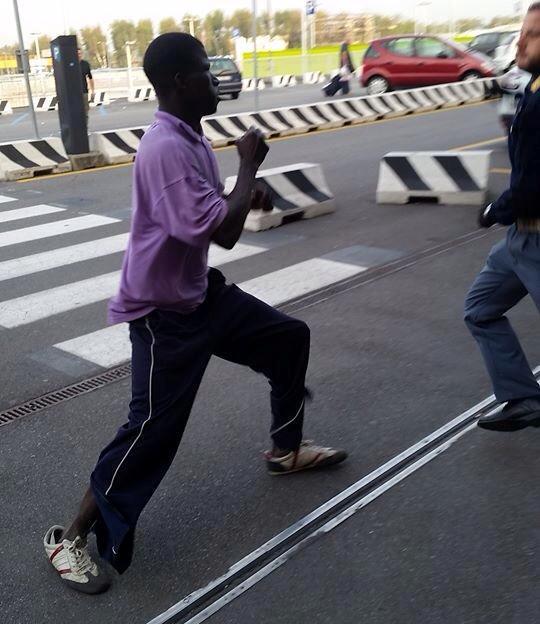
(180, 81)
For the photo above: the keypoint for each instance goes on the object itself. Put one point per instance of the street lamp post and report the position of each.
(128, 45)
(255, 66)
(25, 68)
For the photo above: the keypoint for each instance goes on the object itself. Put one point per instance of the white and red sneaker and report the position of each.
(73, 563)
(308, 456)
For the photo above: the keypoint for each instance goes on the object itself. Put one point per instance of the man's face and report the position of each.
(79, 55)
(528, 55)
(201, 86)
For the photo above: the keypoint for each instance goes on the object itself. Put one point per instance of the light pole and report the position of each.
(128, 45)
(255, 67)
(24, 61)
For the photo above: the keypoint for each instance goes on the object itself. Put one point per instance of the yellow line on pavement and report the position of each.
(285, 138)
(480, 144)
(501, 170)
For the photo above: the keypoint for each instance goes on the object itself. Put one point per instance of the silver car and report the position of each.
(513, 85)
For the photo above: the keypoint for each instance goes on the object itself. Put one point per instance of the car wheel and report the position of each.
(377, 85)
(471, 75)
(235, 96)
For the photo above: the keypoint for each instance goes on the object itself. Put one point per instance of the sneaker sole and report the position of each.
(87, 588)
(512, 424)
(337, 458)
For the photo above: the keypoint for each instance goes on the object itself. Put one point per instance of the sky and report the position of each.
(51, 16)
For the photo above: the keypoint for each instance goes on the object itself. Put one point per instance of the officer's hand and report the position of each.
(485, 217)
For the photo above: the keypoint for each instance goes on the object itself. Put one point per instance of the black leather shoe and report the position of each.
(515, 415)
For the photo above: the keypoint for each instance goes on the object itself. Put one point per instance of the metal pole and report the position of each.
(25, 69)
(255, 67)
(128, 59)
(304, 37)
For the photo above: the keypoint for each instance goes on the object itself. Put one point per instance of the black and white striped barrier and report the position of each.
(5, 108)
(117, 146)
(287, 80)
(25, 159)
(312, 78)
(142, 94)
(298, 191)
(447, 177)
(248, 84)
(46, 103)
(99, 98)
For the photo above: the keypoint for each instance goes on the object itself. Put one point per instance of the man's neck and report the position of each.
(193, 121)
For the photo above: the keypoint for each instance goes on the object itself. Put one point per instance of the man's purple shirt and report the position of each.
(177, 206)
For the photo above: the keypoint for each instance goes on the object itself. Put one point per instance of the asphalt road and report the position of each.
(122, 114)
(391, 362)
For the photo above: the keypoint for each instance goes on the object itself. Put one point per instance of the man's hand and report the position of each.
(261, 198)
(252, 148)
(485, 217)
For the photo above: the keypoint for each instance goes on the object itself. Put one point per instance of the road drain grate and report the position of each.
(65, 394)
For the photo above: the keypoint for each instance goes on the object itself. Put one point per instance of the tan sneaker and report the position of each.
(73, 563)
(306, 457)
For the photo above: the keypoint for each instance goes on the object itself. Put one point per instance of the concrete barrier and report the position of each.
(298, 191)
(46, 103)
(25, 159)
(5, 108)
(312, 78)
(117, 146)
(447, 177)
(279, 82)
(99, 98)
(248, 84)
(142, 94)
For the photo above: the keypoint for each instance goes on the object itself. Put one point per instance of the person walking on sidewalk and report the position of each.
(180, 313)
(513, 266)
(87, 82)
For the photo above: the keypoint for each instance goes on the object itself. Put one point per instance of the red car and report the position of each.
(416, 61)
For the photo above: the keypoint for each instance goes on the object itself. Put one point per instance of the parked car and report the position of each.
(226, 71)
(505, 54)
(513, 85)
(416, 61)
(488, 42)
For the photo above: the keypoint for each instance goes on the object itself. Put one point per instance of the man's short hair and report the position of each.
(168, 55)
(535, 6)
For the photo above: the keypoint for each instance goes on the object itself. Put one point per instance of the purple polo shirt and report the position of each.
(177, 206)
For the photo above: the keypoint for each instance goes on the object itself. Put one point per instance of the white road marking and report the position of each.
(27, 213)
(37, 232)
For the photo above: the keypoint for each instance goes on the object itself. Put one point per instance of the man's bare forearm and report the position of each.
(239, 203)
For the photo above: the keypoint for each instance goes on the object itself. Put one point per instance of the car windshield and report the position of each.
(221, 65)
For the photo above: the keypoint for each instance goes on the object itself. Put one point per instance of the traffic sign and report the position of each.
(311, 7)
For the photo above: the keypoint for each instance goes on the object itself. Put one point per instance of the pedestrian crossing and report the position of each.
(43, 300)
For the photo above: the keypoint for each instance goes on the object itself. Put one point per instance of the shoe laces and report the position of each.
(79, 557)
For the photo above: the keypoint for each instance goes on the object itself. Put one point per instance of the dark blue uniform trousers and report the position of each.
(170, 353)
(512, 271)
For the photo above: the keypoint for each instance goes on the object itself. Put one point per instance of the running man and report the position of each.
(180, 313)
(513, 267)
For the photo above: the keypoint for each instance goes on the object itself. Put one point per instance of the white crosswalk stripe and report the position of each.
(41, 305)
(4, 199)
(110, 346)
(67, 226)
(47, 260)
(27, 213)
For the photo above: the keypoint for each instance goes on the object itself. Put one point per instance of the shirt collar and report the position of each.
(180, 125)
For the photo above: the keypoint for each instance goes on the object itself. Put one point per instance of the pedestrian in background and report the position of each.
(341, 80)
(513, 266)
(87, 82)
